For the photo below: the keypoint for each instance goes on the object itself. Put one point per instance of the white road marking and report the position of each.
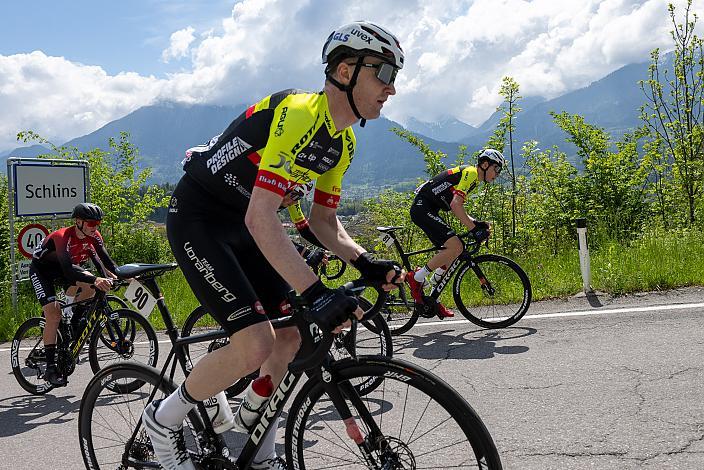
(578, 313)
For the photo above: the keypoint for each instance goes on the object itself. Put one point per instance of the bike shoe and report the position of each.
(276, 463)
(168, 443)
(54, 377)
(444, 312)
(415, 287)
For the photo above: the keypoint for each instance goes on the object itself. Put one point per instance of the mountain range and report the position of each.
(162, 132)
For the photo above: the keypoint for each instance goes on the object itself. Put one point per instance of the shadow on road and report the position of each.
(24, 413)
(451, 345)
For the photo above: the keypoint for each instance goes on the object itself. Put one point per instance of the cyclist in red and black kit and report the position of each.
(448, 192)
(230, 244)
(58, 260)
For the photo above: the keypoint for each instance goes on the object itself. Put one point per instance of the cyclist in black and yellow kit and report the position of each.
(226, 237)
(448, 192)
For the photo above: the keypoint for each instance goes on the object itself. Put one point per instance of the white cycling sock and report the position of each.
(174, 408)
(437, 275)
(421, 274)
(268, 447)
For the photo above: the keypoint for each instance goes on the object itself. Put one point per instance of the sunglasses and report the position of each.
(92, 223)
(385, 72)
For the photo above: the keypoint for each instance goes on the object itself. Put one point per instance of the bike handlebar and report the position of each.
(321, 341)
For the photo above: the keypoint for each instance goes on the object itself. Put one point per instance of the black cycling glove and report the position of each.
(328, 308)
(314, 258)
(480, 230)
(375, 270)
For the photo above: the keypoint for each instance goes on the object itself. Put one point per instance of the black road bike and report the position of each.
(412, 420)
(491, 291)
(375, 339)
(112, 332)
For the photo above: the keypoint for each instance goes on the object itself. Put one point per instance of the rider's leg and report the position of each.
(288, 340)
(453, 248)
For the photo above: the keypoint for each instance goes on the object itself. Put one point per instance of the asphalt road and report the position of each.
(587, 383)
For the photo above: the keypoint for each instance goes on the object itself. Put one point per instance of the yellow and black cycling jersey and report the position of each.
(280, 143)
(441, 189)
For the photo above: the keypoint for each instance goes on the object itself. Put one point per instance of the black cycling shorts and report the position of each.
(44, 278)
(425, 214)
(222, 264)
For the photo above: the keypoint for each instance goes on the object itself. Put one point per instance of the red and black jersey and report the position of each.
(64, 248)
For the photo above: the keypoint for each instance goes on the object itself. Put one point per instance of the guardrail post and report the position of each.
(584, 255)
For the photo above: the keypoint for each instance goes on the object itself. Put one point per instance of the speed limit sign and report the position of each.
(31, 237)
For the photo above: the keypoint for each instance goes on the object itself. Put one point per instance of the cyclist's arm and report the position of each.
(266, 229)
(327, 227)
(457, 208)
(299, 219)
(102, 253)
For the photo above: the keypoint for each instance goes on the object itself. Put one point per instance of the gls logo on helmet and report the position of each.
(342, 37)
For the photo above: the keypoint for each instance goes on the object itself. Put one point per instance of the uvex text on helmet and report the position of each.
(363, 38)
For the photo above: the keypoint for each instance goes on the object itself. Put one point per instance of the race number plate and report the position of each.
(387, 239)
(140, 297)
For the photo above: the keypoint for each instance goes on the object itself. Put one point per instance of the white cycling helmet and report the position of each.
(360, 39)
(492, 156)
(363, 38)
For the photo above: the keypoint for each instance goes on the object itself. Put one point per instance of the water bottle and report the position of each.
(437, 276)
(219, 412)
(254, 399)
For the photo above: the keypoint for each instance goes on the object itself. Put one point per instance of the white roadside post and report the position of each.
(584, 255)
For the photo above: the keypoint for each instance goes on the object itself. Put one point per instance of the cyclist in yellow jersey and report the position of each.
(225, 234)
(448, 192)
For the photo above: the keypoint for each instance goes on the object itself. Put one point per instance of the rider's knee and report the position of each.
(288, 339)
(454, 246)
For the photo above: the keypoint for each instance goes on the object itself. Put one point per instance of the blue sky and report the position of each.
(69, 67)
(117, 35)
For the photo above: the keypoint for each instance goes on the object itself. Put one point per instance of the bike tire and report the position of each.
(492, 291)
(400, 315)
(140, 344)
(27, 356)
(424, 422)
(106, 419)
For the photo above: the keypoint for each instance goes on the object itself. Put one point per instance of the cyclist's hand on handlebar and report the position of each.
(384, 271)
(103, 284)
(331, 309)
(481, 230)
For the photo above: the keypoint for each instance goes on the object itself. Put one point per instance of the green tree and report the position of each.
(674, 110)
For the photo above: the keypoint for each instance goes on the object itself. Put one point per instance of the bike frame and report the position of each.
(277, 401)
(466, 255)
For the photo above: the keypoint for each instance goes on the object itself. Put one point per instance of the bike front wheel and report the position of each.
(492, 291)
(107, 420)
(412, 420)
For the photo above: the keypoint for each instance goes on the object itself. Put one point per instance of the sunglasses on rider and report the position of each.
(385, 72)
(92, 223)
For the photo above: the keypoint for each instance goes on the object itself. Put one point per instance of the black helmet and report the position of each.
(87, 211)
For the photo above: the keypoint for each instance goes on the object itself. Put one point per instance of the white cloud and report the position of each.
(180, 44)
(457, 53)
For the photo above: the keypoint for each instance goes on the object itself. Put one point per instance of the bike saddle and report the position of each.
(388, 229)
(142, 269)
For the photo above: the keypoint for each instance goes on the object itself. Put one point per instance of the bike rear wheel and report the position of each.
(492, 291)
(399, 311)
(413, 420)
(107, 420)
(28, 358)
(125, 335)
